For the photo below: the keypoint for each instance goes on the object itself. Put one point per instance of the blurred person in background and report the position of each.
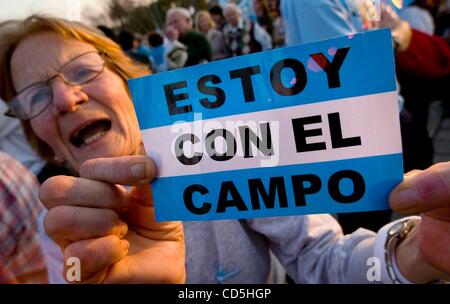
(263, 17)
(279, 32)
(130, 44)
(199, 51)
(241, 35)
(167, 54)
(13, 142)
(217, 15)
(205, 24)
(21, 257)
(419, 17)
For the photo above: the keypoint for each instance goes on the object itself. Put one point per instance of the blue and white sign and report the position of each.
(306, 129)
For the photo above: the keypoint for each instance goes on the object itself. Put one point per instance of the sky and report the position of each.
(69, 9)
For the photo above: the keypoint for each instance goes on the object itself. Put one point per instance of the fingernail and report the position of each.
(123, 228)
(139, 171)
(406, 199)
(124, 244)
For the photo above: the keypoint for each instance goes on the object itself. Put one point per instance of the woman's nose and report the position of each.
(67, 98)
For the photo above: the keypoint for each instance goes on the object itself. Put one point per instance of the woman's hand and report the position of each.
(425, 254)
(111, 230)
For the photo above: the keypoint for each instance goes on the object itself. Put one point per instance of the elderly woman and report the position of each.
(205, 24)
(50, 70)
(67, 84)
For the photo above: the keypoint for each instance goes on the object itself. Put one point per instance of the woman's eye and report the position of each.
(40, 96)
(82, 73)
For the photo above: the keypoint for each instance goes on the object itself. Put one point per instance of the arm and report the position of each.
(426, 56)
(313, 248)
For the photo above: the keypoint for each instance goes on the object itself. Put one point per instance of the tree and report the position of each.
(136, 16)
(118, 11)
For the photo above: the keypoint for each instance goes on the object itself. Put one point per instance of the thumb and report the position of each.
(123, 170)
(423, 191)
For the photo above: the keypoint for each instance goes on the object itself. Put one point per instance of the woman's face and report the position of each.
(88, 121)
(257, 7)
(204, 23)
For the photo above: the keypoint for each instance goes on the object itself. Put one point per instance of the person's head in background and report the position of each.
(261, 7)
(274, 4)
(203, 22)
(180, 19)
(108, 32)
(232, 14)
(217, 15)
(67, 83)
(127, 40)
(155, 39)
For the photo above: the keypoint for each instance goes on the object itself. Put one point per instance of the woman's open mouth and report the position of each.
(90, 133)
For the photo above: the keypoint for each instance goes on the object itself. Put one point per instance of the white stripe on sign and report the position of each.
(371, 120)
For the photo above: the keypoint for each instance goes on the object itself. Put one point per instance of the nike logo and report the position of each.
(223, 275)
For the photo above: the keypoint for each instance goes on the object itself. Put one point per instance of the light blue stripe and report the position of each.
(368, 69)
(381, 174)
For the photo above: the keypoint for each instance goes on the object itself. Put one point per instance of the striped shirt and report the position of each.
(21, 258)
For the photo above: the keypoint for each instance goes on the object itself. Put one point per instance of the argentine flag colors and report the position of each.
(305, 129)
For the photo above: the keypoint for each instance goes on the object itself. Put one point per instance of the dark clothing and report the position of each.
(198, 48)
(266, 23)
(138, 57)
(254, 45)
(50, 170)
(423, 71)
(242, 41)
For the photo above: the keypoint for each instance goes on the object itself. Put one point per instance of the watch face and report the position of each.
(396, 229)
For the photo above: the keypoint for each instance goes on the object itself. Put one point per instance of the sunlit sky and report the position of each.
(70, 9)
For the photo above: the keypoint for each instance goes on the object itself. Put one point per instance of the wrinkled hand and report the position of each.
(111, 230)
(424, 255)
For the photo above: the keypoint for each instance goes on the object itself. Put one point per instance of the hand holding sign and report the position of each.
(425, 255)
(307, 129)
(112, 231)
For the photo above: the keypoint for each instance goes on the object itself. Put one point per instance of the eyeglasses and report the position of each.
(35, 99)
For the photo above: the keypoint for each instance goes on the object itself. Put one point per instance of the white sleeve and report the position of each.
(53, 255)
(262, 37)
(313, 249)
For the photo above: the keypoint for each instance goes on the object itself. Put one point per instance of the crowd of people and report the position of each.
(67, 84)
(219, 33)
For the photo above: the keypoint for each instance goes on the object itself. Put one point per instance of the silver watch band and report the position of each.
(395, 235)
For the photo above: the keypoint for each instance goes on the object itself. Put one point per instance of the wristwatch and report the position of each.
(395, 235)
